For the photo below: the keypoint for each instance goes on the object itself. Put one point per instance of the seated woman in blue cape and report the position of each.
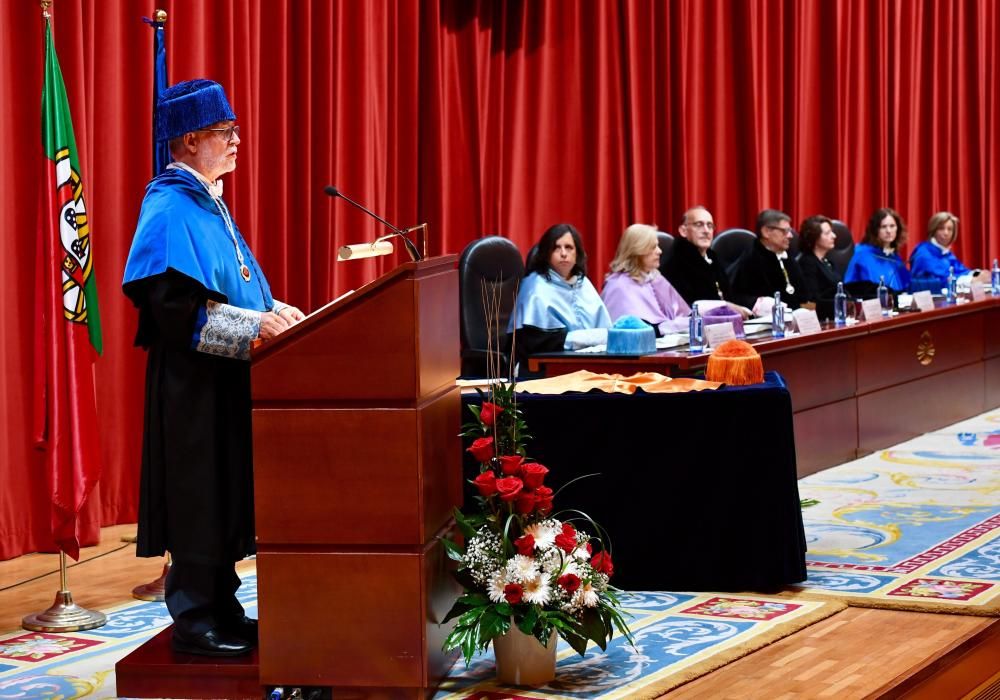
(556, 298)
(875, 258)
(931, 261)
(635, 286)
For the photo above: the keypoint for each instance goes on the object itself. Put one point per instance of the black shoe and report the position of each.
(212, 643)
(243, 627)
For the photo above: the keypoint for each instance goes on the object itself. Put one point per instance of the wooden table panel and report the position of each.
(902, 412)
(825, 436)
(992, 382)
(819, 375)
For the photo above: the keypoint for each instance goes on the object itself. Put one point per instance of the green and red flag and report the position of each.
(68, 336)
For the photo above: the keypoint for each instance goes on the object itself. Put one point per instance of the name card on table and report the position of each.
(806, 321)
(871, 309)
(923, 301)
(717, 333)
(978, 291)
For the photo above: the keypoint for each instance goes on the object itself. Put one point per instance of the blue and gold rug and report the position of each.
(679, 636)
(914, 527)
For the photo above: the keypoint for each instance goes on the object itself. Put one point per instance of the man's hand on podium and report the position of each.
(271, 325)
(291, 314)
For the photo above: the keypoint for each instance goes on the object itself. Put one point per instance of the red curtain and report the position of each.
(479, 118)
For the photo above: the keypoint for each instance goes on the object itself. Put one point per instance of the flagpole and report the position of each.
(64, 615)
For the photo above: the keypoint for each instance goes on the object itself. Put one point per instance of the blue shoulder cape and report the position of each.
(180, 228)
(870, 263)
(929, 267)
(550, 302)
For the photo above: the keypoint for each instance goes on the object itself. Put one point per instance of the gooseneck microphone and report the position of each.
(351, 251)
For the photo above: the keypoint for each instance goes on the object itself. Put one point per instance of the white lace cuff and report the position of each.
(225, 330)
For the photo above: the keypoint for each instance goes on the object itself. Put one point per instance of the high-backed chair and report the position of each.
(490, 268)
(729, 245)
(530, 257)
(793, 245)
(666, 248)
(843, 249)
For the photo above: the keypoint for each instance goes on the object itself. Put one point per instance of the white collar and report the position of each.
(783, 255)
(943, 249)
(214, 188)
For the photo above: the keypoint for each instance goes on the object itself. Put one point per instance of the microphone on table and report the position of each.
(381, 245)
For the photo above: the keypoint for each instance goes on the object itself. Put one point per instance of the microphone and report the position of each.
(381, 246)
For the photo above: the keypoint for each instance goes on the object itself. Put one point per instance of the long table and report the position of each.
(860, 388)
(694, 496)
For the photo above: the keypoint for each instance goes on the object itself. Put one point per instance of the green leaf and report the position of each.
(492, 625)
(453, 550)
(528, 622)
(463, 525)
(593, 627)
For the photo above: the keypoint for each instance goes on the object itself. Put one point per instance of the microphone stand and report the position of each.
(411, 249)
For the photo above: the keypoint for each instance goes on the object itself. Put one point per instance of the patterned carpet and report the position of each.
(679, 636)
(914, 527)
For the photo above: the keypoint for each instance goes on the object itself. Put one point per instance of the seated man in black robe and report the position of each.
(693, 269)
(766, 267)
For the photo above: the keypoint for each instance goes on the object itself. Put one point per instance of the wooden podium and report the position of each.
(356, 472)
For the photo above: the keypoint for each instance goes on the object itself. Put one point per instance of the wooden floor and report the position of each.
(857, 653)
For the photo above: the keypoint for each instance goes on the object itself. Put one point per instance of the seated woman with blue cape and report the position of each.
(876, 257)
(932, 260)
(555, 297)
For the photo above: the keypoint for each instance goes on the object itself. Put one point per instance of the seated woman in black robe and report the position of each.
(819, 277)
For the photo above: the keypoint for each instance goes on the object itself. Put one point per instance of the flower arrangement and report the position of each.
(522, 562)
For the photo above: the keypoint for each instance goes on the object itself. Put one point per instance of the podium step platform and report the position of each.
(155, 670)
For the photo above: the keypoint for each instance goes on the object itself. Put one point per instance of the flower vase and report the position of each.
(523, 660)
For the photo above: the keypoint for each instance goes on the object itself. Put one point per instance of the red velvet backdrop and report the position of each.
(479, 118)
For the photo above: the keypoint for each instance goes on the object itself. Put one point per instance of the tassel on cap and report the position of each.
(736, 363)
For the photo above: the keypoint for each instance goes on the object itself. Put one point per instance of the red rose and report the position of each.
(602, 563)
(513, 593)
(534, 474)
(482, 449)
(525, 545)
(488, 414)
(569, 582)
(524, 503)
(567, 540)
(509, 487)
(543, 500)
(486, 483)
(510, 465)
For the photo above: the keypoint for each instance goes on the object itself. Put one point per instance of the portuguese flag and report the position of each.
(68, 337)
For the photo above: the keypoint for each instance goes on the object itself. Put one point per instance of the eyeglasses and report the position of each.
(701, 225)
(228, 132)
(784, 231)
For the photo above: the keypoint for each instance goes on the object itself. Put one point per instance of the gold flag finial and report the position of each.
(46, 4)
(161, 15)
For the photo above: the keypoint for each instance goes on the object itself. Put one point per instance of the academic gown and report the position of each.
(868, 265)
(196, 483)
(820, 278)
(653, 300)
(693, 277)
(758, 273)
(929, 267)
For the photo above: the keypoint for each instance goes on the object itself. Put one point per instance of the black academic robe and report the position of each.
(757, 273)
(692, 276)
(197, 460)
(820, 278)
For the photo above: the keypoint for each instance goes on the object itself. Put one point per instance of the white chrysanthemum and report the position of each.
(544, 532)
(496, 586)
(581, 549)
(537, 590)
(573, 568)
(586, 596)
(521, 568)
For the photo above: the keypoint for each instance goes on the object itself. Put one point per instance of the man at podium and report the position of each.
(202, 301)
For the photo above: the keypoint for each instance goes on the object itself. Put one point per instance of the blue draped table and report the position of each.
(697, 490)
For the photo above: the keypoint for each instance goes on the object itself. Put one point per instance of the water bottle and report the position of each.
(277, 694)
(840, 306)
(951, 293)
(777, 317)
(995, 279)
(696, 330)
(883, 296)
